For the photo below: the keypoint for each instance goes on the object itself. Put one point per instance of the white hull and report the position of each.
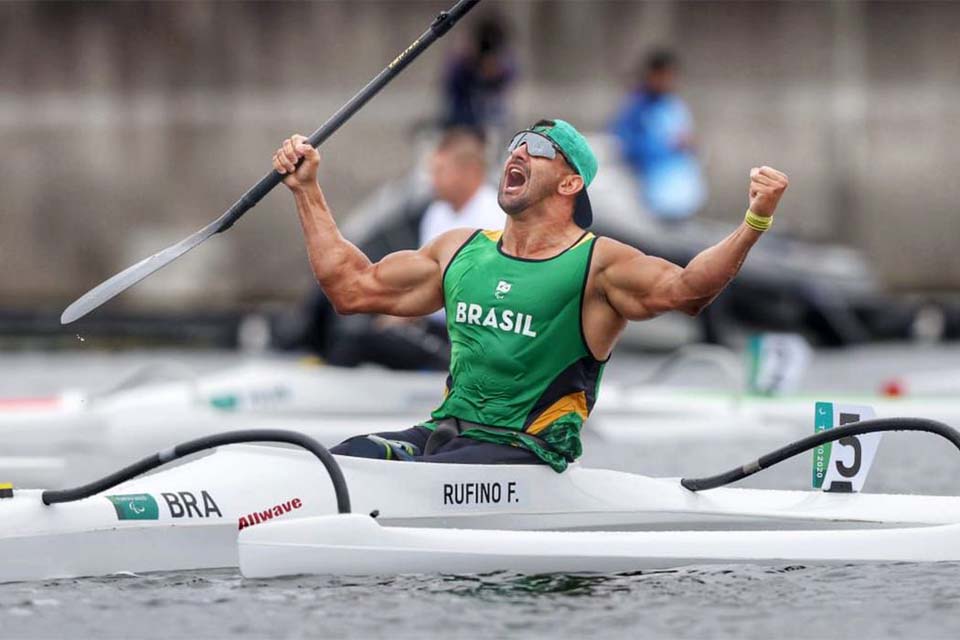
(198, 509)
(357, 545)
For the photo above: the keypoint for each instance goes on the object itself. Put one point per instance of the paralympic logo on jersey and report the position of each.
(507, 320)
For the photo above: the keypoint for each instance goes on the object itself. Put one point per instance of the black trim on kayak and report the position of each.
(817, 439)
(209, 442)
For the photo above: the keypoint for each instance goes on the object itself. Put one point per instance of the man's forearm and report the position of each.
(334, 260)
(712, 269)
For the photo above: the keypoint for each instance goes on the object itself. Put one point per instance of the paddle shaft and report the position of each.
(441, 24)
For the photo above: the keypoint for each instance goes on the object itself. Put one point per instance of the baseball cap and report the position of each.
(580, 156)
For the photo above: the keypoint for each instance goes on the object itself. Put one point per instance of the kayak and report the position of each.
(271, 511)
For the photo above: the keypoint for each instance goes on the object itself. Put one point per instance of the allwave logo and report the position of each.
(503, 288)
(275, 511)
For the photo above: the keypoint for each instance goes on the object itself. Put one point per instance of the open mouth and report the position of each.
(515, 179)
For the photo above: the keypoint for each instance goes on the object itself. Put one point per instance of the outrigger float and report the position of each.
(271, 511)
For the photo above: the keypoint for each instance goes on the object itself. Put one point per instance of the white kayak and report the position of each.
(688, 414)
(449, 518)
(278, 386)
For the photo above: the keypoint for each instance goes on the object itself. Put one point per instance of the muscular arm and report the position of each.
(405, 283)
(639, 286)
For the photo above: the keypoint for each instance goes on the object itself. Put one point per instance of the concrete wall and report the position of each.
(125, 126)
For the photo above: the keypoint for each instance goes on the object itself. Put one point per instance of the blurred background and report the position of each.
(127, 126)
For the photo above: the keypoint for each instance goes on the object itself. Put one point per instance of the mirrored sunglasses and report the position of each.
(538, 145)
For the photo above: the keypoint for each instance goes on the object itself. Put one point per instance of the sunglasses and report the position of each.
(538, 145)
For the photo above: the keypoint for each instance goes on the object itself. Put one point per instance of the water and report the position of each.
(874, 601)
(736, 601)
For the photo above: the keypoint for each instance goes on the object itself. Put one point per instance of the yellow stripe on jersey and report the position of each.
(571, 403)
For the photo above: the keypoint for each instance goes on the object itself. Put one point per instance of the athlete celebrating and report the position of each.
(533, 312)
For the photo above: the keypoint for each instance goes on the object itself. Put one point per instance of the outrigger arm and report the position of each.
(817, 439)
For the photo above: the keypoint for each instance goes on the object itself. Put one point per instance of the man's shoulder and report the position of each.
(448, 242)
(607, 251)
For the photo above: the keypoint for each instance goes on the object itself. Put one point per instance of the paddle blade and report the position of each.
(132, 275)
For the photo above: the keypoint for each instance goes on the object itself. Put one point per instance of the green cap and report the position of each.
(580, 156)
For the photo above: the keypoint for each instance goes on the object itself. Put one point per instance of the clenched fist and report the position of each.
(289, 154)
(766, 186)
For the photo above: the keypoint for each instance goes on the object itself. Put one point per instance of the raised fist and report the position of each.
(766, 186)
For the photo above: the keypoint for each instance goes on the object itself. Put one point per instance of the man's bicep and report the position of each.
(405, 283)
(410, 283)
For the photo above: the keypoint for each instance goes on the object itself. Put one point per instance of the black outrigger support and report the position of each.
(817, 439)
(202, 444)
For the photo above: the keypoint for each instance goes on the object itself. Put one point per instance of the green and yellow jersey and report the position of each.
(519, 359)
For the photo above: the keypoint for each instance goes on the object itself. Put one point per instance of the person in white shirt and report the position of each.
(463, 197)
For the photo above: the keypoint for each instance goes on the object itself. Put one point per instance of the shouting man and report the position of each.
(533, 312)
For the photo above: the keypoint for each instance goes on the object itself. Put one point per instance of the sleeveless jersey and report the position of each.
(519, 360)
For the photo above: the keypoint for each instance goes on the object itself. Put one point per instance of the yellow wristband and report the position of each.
(760, 223)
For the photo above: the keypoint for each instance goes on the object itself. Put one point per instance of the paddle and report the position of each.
(132, 275)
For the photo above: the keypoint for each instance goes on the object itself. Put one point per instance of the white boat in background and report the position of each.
(420, 517)
(686, 413)
(288, 387)
(93, 431)
(159, 404)
(96, 431)
(652, 410)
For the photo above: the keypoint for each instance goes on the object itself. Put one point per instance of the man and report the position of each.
(655, 130)
(533, 312)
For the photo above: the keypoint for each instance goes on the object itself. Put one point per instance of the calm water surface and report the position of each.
(889, 601)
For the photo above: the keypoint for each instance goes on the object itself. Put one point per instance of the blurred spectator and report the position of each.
(655, 130)
(476, 80)
(462, 198)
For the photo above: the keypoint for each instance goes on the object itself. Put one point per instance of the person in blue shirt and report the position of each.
(655, 130)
